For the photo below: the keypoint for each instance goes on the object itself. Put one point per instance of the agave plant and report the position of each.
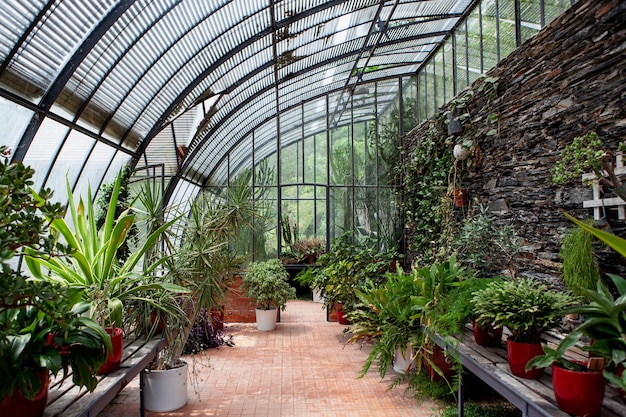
(93, 264)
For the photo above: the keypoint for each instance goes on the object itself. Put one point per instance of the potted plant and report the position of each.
(580, 267)
(42, 330)
(267, 284)
(527, 308)
(587, 152)
(389, 315)
(109, 285)
(203, 265)
(578, 387)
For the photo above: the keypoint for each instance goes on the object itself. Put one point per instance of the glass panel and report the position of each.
(462, 77)
(341, 156)
(341, 211)
(390, 229)
(490, 34)
(439, 79)
(70, 160)
(13, 119)
(43, 150)
(506, 9)
(366, 204)
(448, 70)
(530, 15)
(473, 47)
(95, 168)
(409, 98)
(555, 8)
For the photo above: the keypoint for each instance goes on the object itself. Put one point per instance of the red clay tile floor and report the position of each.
(303, 368)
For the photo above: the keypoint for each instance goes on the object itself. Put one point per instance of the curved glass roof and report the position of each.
(183, 82)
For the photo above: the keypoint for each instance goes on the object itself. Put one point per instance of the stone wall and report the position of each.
(568, 80)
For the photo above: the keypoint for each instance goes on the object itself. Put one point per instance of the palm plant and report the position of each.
(204, 263)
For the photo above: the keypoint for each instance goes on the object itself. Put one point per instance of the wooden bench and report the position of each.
(534, 398)
(67, 400)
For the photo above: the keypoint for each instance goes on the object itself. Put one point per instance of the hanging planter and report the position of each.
(460, 197)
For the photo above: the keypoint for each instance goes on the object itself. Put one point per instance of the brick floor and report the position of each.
(303, 368)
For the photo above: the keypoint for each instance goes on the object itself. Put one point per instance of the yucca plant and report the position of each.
(93, 263)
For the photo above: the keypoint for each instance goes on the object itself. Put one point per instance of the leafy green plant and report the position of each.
(473, 409)
(485, 246)
(525, 306)
(390, 315)
(41, 323)
(93, 263)
(580, 268)
(587, 152)
(267, 284)
(558, 355)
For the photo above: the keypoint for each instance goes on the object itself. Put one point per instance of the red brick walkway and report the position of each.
(302, 368)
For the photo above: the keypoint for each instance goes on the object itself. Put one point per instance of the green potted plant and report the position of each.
(578, 387)
(587, 152)
(42, 330)
(109, 285)
(203, 265)
(527, 308)
(267, 284)
(390, 314)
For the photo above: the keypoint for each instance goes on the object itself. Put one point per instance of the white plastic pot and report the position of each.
(165, 390)
(266, 319)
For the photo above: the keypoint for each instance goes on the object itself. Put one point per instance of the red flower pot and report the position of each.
(437, 356)
(578, 393)
(519, 354)
(217, 319)
(460, 197)
(115, 356)
(17, 405)
(487, 336)
(341, 318)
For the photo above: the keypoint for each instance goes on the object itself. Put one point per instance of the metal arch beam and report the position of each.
(65, 74)
(161, 121)
(220, 160)
(178, 175)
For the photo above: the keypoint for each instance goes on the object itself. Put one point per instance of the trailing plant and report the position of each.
(587, 152)
(485, 246)
(205, 335)
(267, 283)
(580, 267)
(525, 306)
(425, 203)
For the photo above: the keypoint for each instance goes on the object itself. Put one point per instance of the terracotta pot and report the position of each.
(487, 336)
(115, 356)
(578, 393)
(438, 357)
(519, 354)
(460, 197)
(17, 405)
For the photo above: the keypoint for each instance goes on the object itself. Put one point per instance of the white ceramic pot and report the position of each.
(402, 363)
(460, 152)
(266, 319)
(317, 296)
(165, 390)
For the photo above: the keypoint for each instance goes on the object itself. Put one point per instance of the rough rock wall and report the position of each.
(568, 80)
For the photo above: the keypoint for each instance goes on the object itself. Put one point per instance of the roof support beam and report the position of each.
(66, 73)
